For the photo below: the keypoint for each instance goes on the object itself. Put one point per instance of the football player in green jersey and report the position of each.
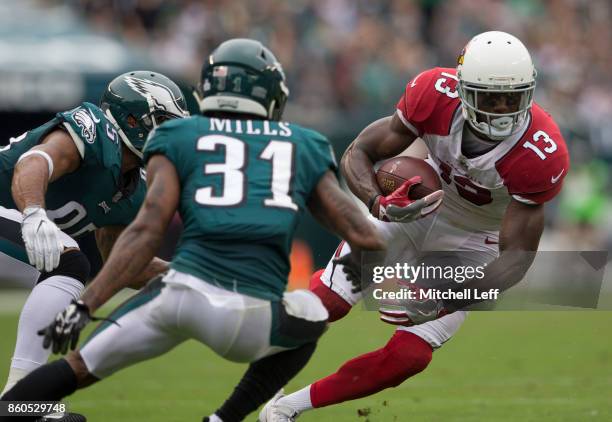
(241, 179)
(78, 173)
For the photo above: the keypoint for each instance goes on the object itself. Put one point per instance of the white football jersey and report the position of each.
(528, 166)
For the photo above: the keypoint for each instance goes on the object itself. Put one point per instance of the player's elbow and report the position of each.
(353, 156)
(345, 161)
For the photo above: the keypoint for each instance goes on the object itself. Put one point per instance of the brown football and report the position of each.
(395, 171)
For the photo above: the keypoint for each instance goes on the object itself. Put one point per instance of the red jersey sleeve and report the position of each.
(533, 171)
(429, 101)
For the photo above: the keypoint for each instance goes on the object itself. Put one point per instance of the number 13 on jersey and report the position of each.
(551, 146)
(279, 153)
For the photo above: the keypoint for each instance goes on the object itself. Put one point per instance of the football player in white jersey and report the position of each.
(500, 158)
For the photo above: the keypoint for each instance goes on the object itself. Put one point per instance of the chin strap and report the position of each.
(489, 130)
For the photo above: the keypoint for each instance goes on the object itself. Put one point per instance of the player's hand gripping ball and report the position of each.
(411, 190)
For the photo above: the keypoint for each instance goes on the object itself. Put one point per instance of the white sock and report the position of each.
(298, 401)
(46, 300)
(214, 418)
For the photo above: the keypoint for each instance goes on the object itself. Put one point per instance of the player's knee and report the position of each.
(406, 354)
(73, 263)
(335, 305)
(301, 319)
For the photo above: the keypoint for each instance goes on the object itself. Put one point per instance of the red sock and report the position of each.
(405, 355)
(336, 306)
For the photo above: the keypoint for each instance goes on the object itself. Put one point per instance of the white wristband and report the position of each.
(42, 154)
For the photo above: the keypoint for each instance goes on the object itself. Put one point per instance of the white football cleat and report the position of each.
(63, 417)
(274, 412)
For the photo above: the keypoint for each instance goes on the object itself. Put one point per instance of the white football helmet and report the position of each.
(495, 62)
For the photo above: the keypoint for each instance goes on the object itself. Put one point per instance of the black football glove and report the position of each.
(66, 328)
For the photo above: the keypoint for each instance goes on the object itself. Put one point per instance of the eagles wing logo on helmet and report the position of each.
(87, 122)
(162, 96)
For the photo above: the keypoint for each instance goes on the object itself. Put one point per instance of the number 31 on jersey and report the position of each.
(279, 153)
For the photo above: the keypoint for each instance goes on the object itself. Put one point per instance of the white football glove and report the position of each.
(42, 239)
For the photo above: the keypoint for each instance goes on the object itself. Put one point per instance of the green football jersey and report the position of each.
(96, 194)
(244, 186)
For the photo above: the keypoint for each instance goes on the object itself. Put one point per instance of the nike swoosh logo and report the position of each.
(490, 242)
(554, 179)
(413, 83)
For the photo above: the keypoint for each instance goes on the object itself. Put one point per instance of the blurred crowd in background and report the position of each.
(347, 62)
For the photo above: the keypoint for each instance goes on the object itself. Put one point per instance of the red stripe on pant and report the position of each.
(404, 356)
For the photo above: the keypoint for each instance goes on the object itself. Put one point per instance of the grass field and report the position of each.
(504, 366)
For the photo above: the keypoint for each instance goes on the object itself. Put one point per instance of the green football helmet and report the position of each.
(136, 102)
(243, 76)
